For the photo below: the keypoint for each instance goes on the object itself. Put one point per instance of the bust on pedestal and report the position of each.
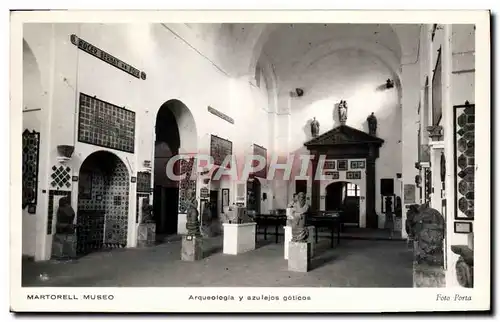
(299, 248)
(64, 240)
(192, 242)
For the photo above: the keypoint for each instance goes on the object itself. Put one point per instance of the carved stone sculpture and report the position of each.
(314, 128)
(372, 124)
(435, 132)
(65, 217)
(192, 221)
(342, 112)
(410, 214)
(398, 208)
(291, 205)
(465, 265)
(297, 219)
(147, 213)
(426, 226)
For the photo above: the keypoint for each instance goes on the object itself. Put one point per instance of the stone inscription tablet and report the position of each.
(104, 124)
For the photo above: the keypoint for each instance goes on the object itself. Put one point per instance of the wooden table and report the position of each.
(266, 221)
(330, 220)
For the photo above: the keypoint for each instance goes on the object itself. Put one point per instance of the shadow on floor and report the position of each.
(263, 243)
(212, 250)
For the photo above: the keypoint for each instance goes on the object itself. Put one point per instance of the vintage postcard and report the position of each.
(250, 161)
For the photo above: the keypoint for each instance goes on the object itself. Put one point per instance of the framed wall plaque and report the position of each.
(463, 227)
(357, 164)
(225, 197)
(353, 175)
(334, 175)
(342, 165)
(409, 191)
(329, 165)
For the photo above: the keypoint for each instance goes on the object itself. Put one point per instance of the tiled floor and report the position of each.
(353, 263)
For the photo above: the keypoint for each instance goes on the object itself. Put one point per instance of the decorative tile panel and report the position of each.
(117, 202)
(220, 149)
(260, 151)
(51, 206)
(31, 149)
(103, 217)
(104, 124)
(352, 175)
(464, 126)
(143, 181)
(60, 177)
(187, 186)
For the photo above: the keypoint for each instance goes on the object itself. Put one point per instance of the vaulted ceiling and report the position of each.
(289, 47)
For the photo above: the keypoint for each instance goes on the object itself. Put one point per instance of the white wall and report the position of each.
(462, 89)
(174, 71)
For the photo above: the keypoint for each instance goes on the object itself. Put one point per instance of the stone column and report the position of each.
(315, 188)
(371, 213)
(447, 122)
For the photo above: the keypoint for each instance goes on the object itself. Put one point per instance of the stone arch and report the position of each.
(186, 123)
(32, 80)
(175, 135)
(103, 202)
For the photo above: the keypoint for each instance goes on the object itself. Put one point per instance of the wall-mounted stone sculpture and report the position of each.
(342, 112)
(372, 124)
(314, 128)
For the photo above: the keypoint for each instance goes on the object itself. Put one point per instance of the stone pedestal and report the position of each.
(425, 275)
(64, 246)
(288, 238)
(181, 224)
(239, 238)
(146, 235)
(192, 248)
(299, 257)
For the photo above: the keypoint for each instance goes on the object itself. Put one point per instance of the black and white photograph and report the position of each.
(265, 161)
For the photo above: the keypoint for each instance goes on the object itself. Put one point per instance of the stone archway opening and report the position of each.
(175, 135)
(344, 196)
(103, 203)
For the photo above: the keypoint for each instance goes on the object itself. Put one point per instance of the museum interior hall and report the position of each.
(136, 141)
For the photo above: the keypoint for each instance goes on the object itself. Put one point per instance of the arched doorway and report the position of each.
(344, 196)
(175, 133)
(103, 203)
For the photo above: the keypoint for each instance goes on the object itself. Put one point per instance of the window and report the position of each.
(352, 190)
